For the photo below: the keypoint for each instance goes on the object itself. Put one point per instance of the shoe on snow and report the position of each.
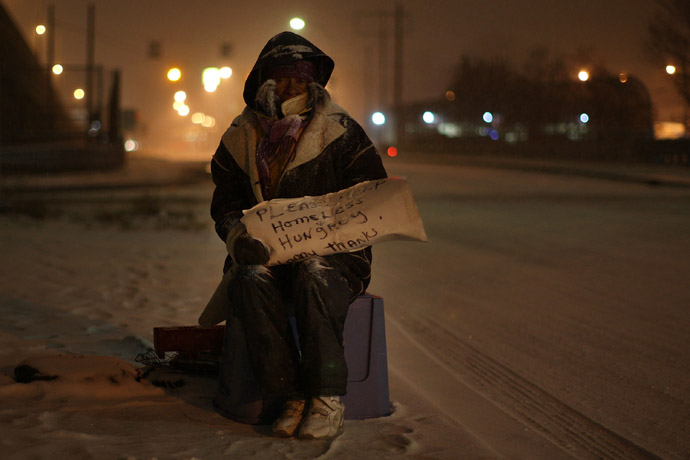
(286, 425)
(324, 420)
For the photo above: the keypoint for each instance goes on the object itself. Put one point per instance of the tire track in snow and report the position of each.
(562, 425)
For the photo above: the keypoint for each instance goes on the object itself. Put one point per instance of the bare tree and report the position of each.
(669, 40)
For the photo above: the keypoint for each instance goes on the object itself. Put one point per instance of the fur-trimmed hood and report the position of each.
(284, 48)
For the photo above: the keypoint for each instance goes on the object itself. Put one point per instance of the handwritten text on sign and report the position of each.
(345, 221)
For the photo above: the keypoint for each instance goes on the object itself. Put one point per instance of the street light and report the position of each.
(583, 75)
(58, 69)
(670, 69)
(40, 29)
(225, 72)
(297, 23)
(174, 74)
(210, 77)
(378, 118)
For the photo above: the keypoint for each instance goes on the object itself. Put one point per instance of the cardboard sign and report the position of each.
(364, 214)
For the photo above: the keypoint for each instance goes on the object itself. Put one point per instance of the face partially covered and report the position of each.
(292, 79)
(289, 87)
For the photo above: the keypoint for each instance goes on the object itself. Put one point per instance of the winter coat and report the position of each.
(333, 151)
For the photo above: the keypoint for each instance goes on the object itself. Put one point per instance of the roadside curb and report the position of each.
(641, 173)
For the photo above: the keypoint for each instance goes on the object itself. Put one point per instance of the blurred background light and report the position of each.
(428, 117)
(208, 122)
(210, 77)
(488, 117)
(183, 111)
(670, 69)
(174, 74)
(225, 72)
(198, 118)
(79, 93)
(131, 145)
(584, 118)
(378, 118)
(297, 23)
(178, 104)
(392, 151)
(583, 75)
(40, 29)
(180, 96)
(57, 69)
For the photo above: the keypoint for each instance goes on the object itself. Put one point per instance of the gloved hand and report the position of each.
(250, 251)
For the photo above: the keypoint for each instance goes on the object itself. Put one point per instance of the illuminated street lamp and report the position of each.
(670, 69)
(583, 75)
(174, 74)
(378, 118)
(428, 117)
(297, 23)
(211, 77)
(225, 72)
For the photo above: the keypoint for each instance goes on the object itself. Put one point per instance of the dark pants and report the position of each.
(318, 291)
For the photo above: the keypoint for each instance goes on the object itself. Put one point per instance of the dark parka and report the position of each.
(333, 152)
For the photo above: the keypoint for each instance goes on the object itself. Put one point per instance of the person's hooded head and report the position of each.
(291, 62)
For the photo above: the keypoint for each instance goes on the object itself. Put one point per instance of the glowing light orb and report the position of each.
(583, 75)
(174, 74)
(79, 93)
(297, 23)
(670, 69)
(428, 117)
(58, 69)
(180, 96)
(488, 117)
(225, 72)
(378, 118)
(208, 122)
(183, 111)
(198, 118)
(40, 29)
(210, 77)
(131, 145)
(584, 118)
(392, 151)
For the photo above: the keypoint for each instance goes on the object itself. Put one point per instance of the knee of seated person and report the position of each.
(314, 269)
(252, 273)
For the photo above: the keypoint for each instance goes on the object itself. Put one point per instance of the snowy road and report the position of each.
(547, 318)
(563, 300)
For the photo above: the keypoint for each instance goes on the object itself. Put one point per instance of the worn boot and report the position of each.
(324, 420)
(286, 425)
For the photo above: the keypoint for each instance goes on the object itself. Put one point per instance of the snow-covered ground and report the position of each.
(546, 318)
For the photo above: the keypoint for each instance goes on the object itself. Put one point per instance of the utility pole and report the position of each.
(50, 53)
(398, 70)
(90, 58)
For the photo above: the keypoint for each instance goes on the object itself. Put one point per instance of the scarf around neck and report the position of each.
(277, 149)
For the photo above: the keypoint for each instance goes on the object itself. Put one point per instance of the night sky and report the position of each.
(437, 33)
